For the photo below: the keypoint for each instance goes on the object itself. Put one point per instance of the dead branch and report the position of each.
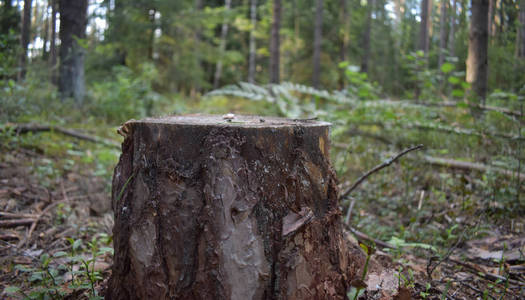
(8, 215)
(453, 104)
(469, 166)
(440, 128)
(15, 222)
(457, 164)
(362, 236)
(386, 163)
(26, 128)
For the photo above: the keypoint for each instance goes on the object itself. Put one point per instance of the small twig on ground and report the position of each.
(349, 211)
(363, 236)
(385, 164)
(44, 212)
(16, 222)
(8, 215)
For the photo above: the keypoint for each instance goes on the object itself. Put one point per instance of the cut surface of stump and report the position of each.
(212, 208)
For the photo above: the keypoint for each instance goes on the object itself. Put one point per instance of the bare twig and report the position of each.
(385, 164)
(44, 212)
(16, 222)
(362, 236)
(349, 211)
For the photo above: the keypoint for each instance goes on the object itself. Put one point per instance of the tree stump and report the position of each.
(210, 208)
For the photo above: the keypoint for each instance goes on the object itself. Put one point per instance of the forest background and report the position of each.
(447, 74)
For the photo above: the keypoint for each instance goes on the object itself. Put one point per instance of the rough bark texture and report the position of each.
(477, 61)
(24, 38)
(73, 21)
(275, 43)
(210, 209)
(318, 38)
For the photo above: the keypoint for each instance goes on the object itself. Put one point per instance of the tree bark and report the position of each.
(318, 39)
(73, 21)
(251, 59)
(24, 38)
(366, 36)
(442, 33)
(275, 43)
(424, 31)
(222, 48)
(477, 61)
(521, 30)
(253, 214)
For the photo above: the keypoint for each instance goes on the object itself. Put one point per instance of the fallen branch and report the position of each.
(15, 222)
(457, 164)
(440, 128)
(453, 104)
(25, 128)
(362, 236)
(463, 165)
(386, 163)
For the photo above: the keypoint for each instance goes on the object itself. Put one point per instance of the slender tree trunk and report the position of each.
(521, 31)
(251, 59)
(151, 16)
(452, 30)
(345, 37)
(491, 17)
(318, 39)
(24, 38)
(73, 21)
(424, 31)
(275, 43)
(52, 44)
(45, 35)
(222, 47)
(366, 37)
(442, 33)
(477, 61)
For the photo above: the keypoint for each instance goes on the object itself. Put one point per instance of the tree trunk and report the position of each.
(318, 39)
(252, 214)
(345, 38)
(45, 34)
(521, 30)
(477, 61)
(73, 21)
(52, 44)
(251, 59)
(424, 36)
(222, 47)
(24, 38)
(275, 43)
(366, 37)
(452, 30)
(442, 33)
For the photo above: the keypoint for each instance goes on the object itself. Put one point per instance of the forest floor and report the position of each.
(55, 238)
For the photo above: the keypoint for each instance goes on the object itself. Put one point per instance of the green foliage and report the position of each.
(130, 95)
(62, 272)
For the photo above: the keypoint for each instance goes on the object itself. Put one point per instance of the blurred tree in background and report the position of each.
(194, 46)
